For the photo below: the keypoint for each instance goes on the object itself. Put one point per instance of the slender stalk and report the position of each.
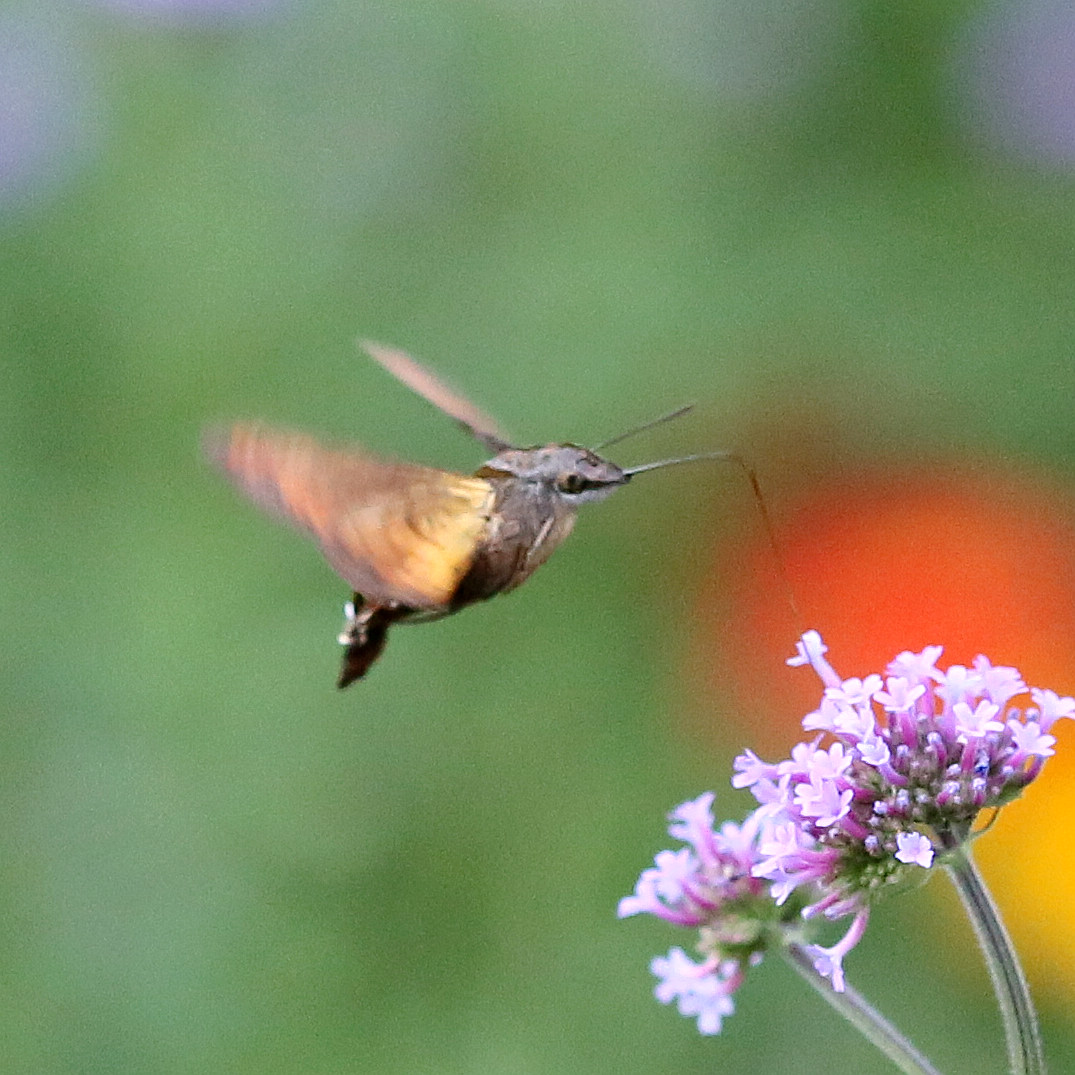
(1025, 1056)
(863, 1016)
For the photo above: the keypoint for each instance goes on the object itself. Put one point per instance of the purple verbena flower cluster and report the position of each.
(912, 758)
(709, 885)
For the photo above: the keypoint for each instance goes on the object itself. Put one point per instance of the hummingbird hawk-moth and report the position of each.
(417, 543)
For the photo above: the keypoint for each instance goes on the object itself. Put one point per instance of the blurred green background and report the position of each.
(582, 215)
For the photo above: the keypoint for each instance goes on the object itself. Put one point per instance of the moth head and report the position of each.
(577, 475)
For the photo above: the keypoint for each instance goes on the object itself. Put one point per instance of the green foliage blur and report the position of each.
(582, 216)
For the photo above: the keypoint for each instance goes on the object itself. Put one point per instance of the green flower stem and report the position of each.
(1021, 1031)
(863, 1016)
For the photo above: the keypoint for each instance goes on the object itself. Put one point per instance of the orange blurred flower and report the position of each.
(977, 559)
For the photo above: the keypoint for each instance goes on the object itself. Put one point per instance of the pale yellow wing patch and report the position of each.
(422, 543)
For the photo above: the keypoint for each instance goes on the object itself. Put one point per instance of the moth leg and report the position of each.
(364, 635)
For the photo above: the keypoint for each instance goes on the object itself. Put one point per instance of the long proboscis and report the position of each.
(755, 487)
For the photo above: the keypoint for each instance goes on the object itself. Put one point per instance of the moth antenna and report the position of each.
(431, 388)
(677, 413)
(755, 486)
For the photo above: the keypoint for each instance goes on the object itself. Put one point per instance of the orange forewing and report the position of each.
(394, 531)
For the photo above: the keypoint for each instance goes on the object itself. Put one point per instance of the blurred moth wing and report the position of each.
(398, 533)
(431, 388)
